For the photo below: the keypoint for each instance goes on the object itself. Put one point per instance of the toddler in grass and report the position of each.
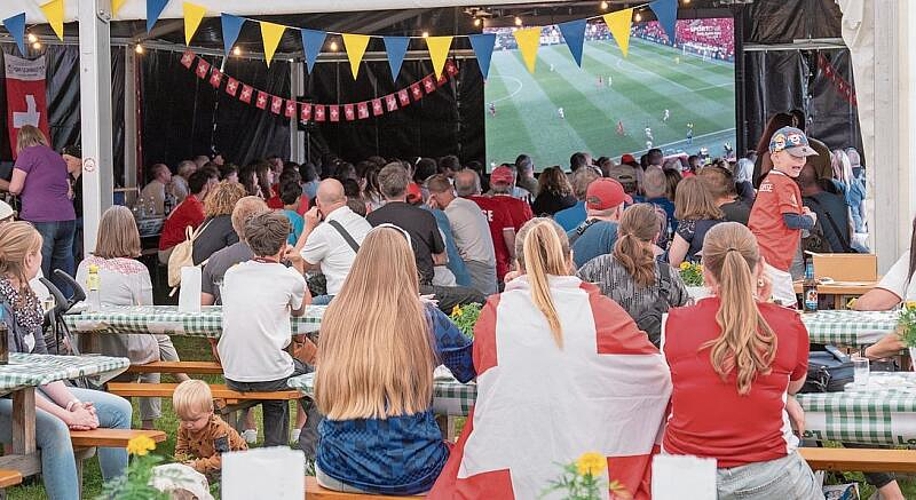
(202, 436)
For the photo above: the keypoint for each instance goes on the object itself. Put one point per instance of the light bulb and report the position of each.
(518, 21)
(604, 5)
(638, 17)
(425, 34)
(334, 46)
(237, 51)
(36, 45)
(138, 49)
(477, 21)
(32, 38)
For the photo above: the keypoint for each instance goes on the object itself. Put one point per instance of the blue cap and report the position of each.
(792, 140)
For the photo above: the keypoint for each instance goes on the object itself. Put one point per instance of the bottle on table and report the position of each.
(93, 293)
(4, 340)
(809, 289)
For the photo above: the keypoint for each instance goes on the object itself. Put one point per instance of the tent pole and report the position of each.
(296, 136)
(95, 114)
(130, 120)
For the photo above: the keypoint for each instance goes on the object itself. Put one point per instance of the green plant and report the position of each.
(691, 274)
(906, 324)
(582, 480)
(135, 484)
(465, 317)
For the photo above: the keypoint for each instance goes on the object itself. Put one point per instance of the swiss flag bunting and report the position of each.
(404, 97)
(216, 78)
(451, 68)
(305, 114)
(290, 109)
(187, 59)
(262, 100)
(276, 105)
(416, 92)
(319, 112)
(428, 85)
(349, 113)
(377, 107)
(391, 102)
(443, 79)
(203, 67)
(362, 109)
(334, 112)
(246, 94)
(232, 86)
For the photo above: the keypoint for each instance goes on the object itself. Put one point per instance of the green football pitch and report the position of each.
(654, 78)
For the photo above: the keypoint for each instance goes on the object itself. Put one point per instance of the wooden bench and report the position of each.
(860, 460)
(197, 367)
(85, 443)
(315, 492)
(8, 478)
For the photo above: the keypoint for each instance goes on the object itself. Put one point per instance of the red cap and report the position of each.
(414, 194)
(627, 158)
(604, 194)
(502, 175)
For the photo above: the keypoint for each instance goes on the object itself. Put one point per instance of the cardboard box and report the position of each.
(846, 267)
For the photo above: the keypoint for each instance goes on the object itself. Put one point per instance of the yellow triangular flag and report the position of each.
(619, 23)
(529, 39)
(271, 33)
(356, 48)
(438, 51)
(54, 12)
(116, 6)
(193, 15)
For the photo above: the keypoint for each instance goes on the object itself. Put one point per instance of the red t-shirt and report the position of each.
(190, 212)
(778, 195)
(519, 210)
(498, 219)
(708, 417)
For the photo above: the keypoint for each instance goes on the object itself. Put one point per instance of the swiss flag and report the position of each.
(404, 97)
(203, 67)
(362, 109)
(276, 105)
(232, 86)
(305, 114)
(334, 112)
(443, 79)
(377, 107)
(216, 78)
(428, 85)
(319, 112)
(187, 59)
(391, 102)
(451, 68)
(26, 96)
(349, 112)
(261, 103)
(290, 109)
(246, 94)
(416, 92)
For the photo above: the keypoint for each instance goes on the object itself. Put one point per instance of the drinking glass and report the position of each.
(860, 370)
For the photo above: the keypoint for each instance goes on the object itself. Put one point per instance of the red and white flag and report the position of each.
(451, 68)
(261, 103)
(203, 67)
(305, 113)
(606, 391)
(276, 105)
(290, 109)
(428, 85)
(247, 91)
(232, 86)
(443, 79)
(216, 78)
(333, 112)
(404, 97)
(391, 102)
(377, 107)
(362, 110)
(416, 92)
(319, 112)
(187, 59)
(349, 112)
(26, 96)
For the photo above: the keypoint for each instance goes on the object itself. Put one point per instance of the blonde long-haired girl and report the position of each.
(378, 348)
(736, 362)
(562, 370)
(58, 407)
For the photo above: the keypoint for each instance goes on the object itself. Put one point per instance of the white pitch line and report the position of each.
(663, 146)
(729, 84)
(510, 96)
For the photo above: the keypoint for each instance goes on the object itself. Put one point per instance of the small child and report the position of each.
(778, 217)
(202, 436)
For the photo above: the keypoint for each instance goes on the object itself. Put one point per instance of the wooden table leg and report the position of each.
(24, 421)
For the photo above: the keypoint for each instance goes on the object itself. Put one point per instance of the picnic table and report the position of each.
(856, 328)
(885, 417)
(22, 375)
(168, 320)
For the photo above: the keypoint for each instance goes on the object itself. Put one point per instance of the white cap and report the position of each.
(6, 210)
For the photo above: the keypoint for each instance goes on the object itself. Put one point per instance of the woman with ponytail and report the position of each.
(736, 363)
(632, 277)
(561, 370)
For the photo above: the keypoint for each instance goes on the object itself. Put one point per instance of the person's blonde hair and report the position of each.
(543, 249)
(375, 354)
(28, 136)
(693, 201)
(746, 343)
(118, 236)
(244, 210)
(18, 240)
(222, 200)
(633, 248)
(192, 398)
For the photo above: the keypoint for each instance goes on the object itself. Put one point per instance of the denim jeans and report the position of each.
(57, 250)
(276, 413)
(58, 465)
(322, 300)
(788, 477)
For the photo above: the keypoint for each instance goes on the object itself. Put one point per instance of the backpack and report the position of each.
(183, 254)
(651, 320)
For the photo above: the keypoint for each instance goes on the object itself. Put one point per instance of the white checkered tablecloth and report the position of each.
(32, 370)
(168, 320)
(849, 327)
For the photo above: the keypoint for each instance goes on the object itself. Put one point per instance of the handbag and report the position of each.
(829, 370)
(183, 254)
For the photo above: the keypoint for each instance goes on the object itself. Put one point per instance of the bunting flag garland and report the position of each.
(261, 102)
(349, 112)
(391, 102)
(232, 87)
(396, 48)
(842, 86)
(305, 113)
(193, 15)
(116, 6)
(529, 39)
(311, 44)
(232, 26)
(203, 68)
(187, 59)
(416, 92)
(246, 94)
(363, 110)
(319, 112)
(16, 26)
(438, 47)
(54, 12)
(403, 97)
(290, 109)
(574, 34)
(271, 33)
(276, 105)
(377, 107)
(483, 47)
(666, 13)
(356, 48)
(334, 112)
(216, 78)
(618, 23)
(154, 9)
(429, 85)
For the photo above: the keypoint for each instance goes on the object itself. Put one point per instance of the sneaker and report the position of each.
(250, 436)
(294, 435)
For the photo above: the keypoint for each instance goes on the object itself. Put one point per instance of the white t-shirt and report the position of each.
(471, 231)
(257, 300)
(326, 247)
(895, 280)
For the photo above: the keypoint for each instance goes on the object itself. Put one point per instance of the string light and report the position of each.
(36, 45)
(139, 49)
(32, 38)
(638, 17)
(334, 46)
(237, 51)
(477, 21)
(518, 21)
(425, 34)
(686, 2)
(604, 5)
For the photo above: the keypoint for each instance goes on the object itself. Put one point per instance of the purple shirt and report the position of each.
(45, 194)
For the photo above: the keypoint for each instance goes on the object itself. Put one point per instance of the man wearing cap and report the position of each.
(596, 236)
(502, 182)
(778, 217)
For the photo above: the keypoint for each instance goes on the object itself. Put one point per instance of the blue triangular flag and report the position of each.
(666, 13)
(312, 41)
(574, 34)
(16, 26)
(483, 47)
(154, 9)
(232, 26)
(396, 47)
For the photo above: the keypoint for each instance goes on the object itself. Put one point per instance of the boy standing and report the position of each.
(778, 217)
(202, 436)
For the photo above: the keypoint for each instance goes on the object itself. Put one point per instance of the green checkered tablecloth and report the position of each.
(32, 370)
(849, 327)
(168, 320)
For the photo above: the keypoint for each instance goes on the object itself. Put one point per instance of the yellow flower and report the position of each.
(591, 463)
(685, 266)
(456, 311)
(911, 304)
(140, 445)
